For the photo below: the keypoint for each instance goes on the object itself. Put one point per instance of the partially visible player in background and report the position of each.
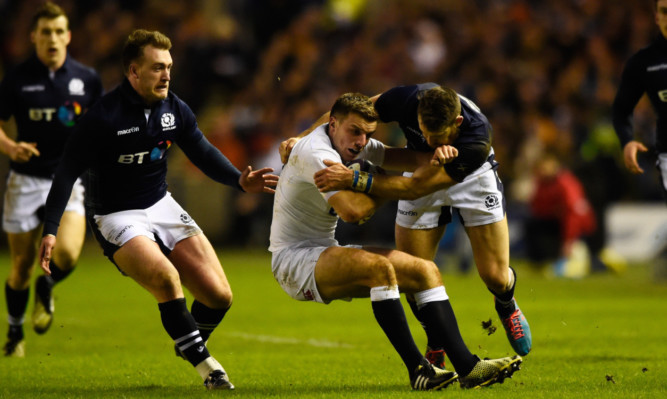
(645, 72)
(46, 95)
(124, 141)
(310, 265)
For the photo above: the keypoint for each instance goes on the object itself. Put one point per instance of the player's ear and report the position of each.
(133, 70)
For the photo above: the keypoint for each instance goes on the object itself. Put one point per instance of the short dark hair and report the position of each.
(137, 40)
(438, 108)
(357, 103)
(48, 10)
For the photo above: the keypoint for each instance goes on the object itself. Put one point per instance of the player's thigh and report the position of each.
(414, 274)
(22, 250)
(71, 234)
(141, 259)
(201, 271)
(343, 272)
(419, 242)
(490, 246)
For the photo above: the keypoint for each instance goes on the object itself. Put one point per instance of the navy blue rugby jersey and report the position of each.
(126, 154)
(399, 104)
(645, 72)
(46, 109)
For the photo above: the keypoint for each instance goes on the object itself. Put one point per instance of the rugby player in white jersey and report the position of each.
(310, 265)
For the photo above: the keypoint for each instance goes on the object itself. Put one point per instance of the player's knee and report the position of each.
(166, 281)
(427, 272)
(221, 299)
(19, 278)
(381, 272)
(23, 262)
(496, 279)
(65, 260)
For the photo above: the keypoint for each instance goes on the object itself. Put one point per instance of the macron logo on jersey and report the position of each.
(33, 88)
(655, 68)
(133, 129)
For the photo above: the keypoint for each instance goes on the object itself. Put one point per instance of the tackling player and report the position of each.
(462, 175)
(310, 265)
(46, 95)
(124, 141)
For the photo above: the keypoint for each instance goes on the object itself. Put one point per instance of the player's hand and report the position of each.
(286, 148)
(443, 155)
(22, 152)
(334, 177)
(630, 156)
(258, 181)
(45, 251)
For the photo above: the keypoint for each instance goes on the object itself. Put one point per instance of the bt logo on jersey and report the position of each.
(155, 154)
(38, 114)
(131, 158)
(662, 94)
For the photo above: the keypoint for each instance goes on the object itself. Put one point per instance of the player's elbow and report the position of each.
(355, 215)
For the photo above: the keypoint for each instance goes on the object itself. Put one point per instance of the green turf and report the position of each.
(603, 336)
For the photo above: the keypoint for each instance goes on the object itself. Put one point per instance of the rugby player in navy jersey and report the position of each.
(123, 141)
(45, 94)
(645, 72)
(462, 174)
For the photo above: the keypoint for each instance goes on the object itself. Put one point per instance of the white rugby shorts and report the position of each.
(479, 199)
(166, 222)
(24, 197)
(294, 269)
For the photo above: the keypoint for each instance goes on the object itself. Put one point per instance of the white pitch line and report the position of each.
(321, 343)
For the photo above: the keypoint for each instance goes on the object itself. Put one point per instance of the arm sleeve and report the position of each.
(72, 165)
(6, 101)
(211, 161)
(471, 157)
(629, 92)
(59, 195)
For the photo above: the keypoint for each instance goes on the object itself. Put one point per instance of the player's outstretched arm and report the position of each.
(425, 180)
(630, 156)
(258, 181)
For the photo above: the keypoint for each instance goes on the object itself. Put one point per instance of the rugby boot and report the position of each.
(517, 329)
(490, 371)
(427, 377)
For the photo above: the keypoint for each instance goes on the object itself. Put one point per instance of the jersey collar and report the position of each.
(39, 65)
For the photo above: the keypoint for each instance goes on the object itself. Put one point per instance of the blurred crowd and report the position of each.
(257, 71)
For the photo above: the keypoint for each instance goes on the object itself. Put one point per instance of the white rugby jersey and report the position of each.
(302, 216)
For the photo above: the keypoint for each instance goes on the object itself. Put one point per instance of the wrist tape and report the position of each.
(362, 181)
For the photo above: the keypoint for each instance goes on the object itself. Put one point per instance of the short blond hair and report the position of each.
(137, 40)
(354, 103)
(49, 11)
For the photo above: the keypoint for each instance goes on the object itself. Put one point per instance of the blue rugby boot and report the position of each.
(517, 329)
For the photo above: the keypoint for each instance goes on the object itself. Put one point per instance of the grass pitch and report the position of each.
(599, 337)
